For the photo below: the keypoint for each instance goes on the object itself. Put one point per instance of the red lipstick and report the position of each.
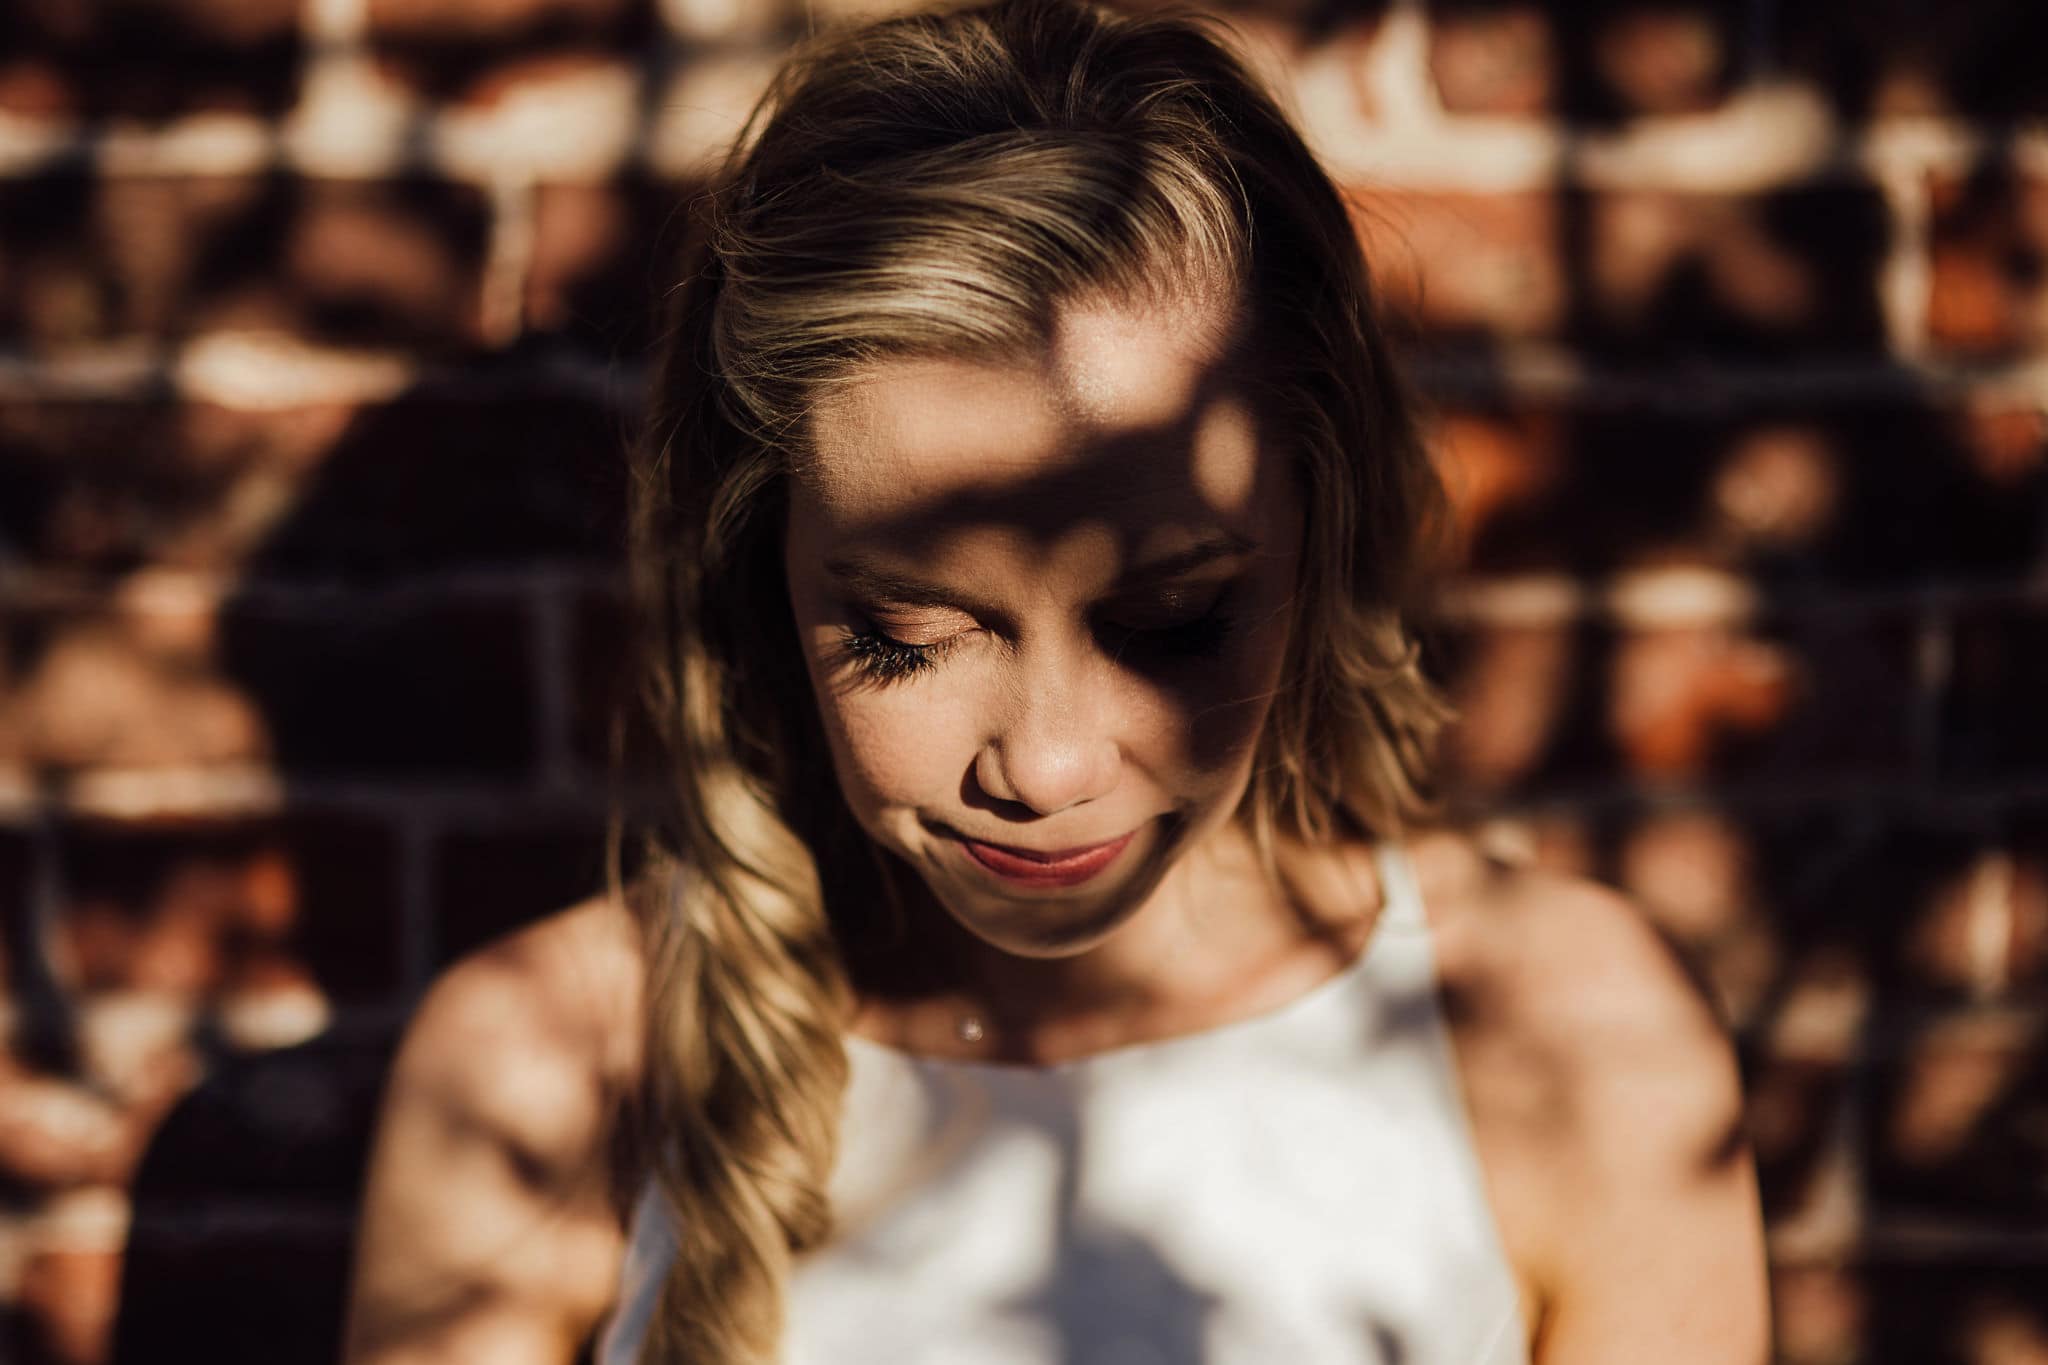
(1032, 867)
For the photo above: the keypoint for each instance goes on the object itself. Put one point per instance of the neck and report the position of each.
(1211, 936)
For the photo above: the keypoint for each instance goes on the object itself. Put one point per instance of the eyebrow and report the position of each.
(873, 579)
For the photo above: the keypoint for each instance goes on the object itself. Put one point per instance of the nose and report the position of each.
(1057, 748)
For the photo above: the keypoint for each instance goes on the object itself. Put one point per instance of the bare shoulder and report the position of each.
(1565, 962)
(489, 1225)
(580, 971)
(526, 1031)
(1607, 1103)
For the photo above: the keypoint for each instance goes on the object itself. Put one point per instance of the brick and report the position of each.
(705, 103)
(53, 286)
(387, 687)
(602, 257)
(335, 685)
(96, 59)
(340, 262)
(117, 688)
(1820, 697)
(434, 480)
(604, 679)
(199, 909)
(1988, 287)
(1992, 724)
(1898, 57)
(443, 479)
(1882, 493)
(17, 893)
(1959, 1125)
(1883, 895)
(1969, 932)
(108, 487)
(1799, 698)
(1818, 1314)
(1957, 1308)
(488, 882)
(455, 50)
(1497, 464)
(1810, 922)
(487, 21)
(68, 1298)
(2025, 918)
(1456, 268)
(714, 20)
(58, 1134)
(1886, 493)
(234, 1294)
(287, 1300)
(244, 1209)
(1665, 57)
(1667, 274)
(1514, 687)
(1793, 1109)
(1692, 871)
(288, 1125)
(1636, 276)
(1589, 63)
(138, 1048)
(1494, 58)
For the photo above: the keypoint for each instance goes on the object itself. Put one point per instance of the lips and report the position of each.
(1034, 867)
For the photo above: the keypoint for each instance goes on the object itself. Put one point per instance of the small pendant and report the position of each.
(968, 1030)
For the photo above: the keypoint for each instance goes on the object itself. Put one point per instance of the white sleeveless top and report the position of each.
(1297, 1187)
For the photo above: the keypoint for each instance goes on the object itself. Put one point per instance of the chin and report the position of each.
(1044, 928)
(1049, 922)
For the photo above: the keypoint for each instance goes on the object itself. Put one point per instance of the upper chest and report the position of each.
(1297, 1192)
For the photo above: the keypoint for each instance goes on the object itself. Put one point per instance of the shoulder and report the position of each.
(1609, 1080)
(567, 985)
(534, 1039)
(1575, 980)
(1568, 963)
(490, 1223)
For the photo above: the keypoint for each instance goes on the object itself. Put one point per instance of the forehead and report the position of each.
(1130, 411)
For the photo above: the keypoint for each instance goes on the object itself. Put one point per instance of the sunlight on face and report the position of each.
(1045, 605)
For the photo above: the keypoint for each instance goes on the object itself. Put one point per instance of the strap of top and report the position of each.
(1397, 879)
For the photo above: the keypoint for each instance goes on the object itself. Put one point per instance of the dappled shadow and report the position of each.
(368, 662)
(1809, 765)
(1819, 885)
(1154, 1216)
(242, 1235)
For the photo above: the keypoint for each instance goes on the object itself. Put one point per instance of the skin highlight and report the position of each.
(1001, 187)
(1091, 556)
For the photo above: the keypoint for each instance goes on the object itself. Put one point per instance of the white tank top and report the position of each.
(1297, 1187)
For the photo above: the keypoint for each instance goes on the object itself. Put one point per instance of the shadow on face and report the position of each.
(1045, 602)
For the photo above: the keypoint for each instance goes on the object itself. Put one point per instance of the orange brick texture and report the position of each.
(321, 322)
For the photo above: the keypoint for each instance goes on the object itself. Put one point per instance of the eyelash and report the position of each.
(881, 659)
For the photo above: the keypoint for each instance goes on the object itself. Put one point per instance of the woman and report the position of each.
(1028, 963)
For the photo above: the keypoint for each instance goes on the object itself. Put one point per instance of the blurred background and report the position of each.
(321, 326)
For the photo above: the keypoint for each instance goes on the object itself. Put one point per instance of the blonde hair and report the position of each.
(939, 184)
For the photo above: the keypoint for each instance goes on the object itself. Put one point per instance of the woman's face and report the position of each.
(1045, 606)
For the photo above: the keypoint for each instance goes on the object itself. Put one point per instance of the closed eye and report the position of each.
(1172, 634)
(879, 658)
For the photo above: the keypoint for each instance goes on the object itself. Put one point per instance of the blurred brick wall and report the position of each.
(320, 323)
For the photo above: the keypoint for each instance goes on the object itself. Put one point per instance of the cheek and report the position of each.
(1224, 732)
(890, 754)
(1204, 725)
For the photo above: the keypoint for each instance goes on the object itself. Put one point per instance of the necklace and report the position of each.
(968, 1028)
